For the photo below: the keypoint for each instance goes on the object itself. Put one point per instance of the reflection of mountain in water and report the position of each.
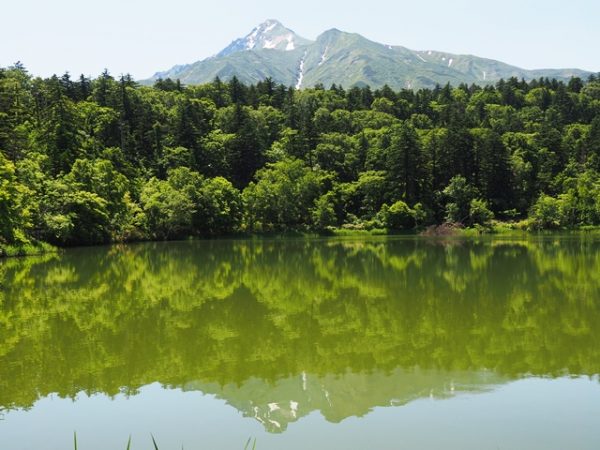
(337, 397)
(244, 320)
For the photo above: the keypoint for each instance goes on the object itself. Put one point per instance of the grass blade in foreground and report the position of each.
(154, 442)
(248, 443)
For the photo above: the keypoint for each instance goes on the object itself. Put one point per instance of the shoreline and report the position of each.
(500, 229)
(30, 249)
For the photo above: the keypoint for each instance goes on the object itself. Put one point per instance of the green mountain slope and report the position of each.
(248, 66)
(271, 50)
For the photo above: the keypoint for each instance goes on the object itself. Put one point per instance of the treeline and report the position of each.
(89, 161)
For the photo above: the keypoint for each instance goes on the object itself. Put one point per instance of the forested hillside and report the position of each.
(90, 161)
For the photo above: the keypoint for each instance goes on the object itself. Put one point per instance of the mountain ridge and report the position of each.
(270, 34)
(273, 51)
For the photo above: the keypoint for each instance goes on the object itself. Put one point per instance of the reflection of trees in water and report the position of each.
(224, 312)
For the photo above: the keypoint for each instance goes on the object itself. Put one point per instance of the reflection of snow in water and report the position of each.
(327, 396)
(273, 407)
(294, 408)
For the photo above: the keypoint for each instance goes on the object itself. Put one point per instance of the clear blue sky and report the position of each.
(142, 37)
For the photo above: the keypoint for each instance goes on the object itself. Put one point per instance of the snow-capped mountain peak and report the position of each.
(270, 34)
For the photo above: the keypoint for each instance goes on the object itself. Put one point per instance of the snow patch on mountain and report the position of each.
(324, 56)
(268, 35)
(301, 72)
(251, 39)
(290, 45)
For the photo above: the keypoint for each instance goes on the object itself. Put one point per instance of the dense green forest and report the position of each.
(91, 161)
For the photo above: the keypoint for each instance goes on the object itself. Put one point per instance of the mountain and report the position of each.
(268, 35)
(348, 59)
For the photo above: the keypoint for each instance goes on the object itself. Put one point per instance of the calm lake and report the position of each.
(348, 343)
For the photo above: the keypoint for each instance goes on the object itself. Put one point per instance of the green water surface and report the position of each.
(304, 343)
